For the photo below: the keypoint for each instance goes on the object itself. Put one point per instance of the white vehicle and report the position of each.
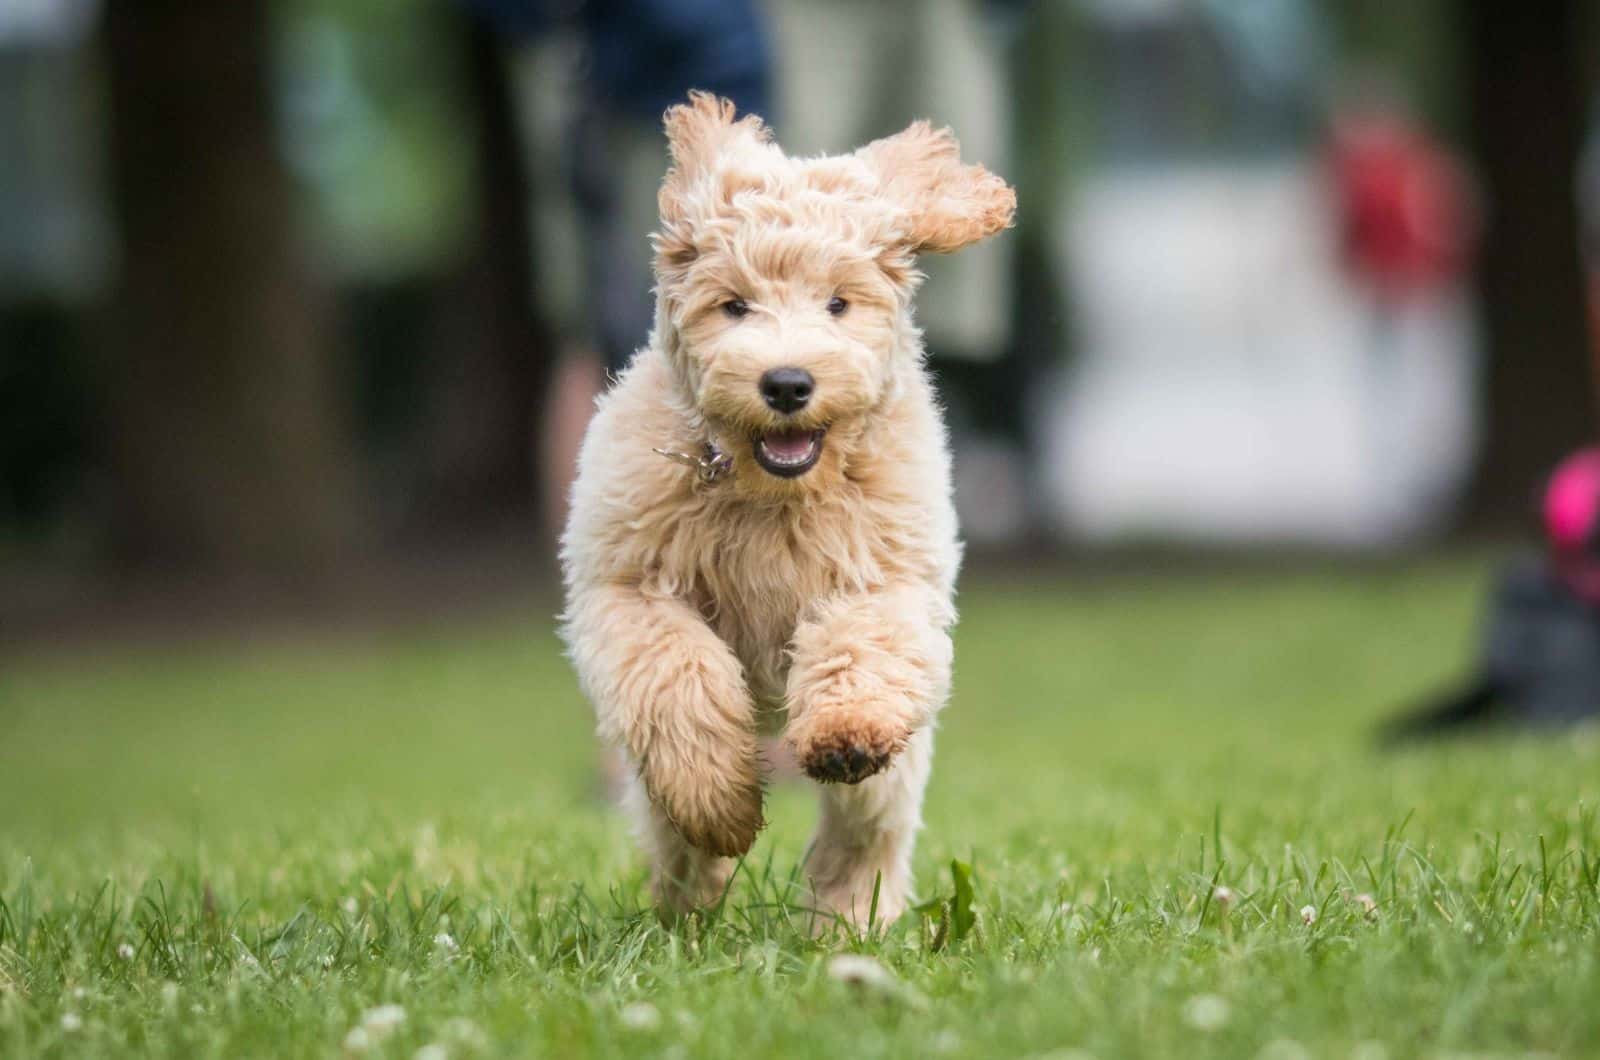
(1230, 382)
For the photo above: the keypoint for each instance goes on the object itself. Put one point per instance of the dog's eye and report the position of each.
(736, 308)
(837, 305)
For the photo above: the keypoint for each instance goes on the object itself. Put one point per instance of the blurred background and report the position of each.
(303, 303)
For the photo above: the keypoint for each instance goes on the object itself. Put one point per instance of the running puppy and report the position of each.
(762, 534)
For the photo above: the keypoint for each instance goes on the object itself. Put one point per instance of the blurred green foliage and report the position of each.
(376, 122)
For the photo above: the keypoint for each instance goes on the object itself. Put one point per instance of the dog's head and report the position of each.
(784, 285)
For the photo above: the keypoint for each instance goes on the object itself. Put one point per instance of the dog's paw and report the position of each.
(844, 747)
(730, 829)
(843, 907)
(720, 815)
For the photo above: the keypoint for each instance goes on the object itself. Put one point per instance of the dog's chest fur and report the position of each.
(763, 570)
(755, 567)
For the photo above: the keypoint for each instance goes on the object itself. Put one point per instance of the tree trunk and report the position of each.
(227, 445)
(1527, 120)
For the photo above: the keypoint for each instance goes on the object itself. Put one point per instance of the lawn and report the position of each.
(256, 847)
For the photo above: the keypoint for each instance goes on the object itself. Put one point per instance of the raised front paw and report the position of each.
(715, 808)
(845, 746)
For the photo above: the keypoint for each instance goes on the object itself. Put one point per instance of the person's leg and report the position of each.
(958, 78)
(576, 382)
(547, 81)
(833, 59)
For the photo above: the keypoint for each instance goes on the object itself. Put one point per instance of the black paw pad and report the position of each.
(849, 764)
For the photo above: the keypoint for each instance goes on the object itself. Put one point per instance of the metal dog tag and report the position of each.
(712, 466)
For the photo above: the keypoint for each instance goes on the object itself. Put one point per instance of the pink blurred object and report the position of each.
(1572, 499)
(1571, 512)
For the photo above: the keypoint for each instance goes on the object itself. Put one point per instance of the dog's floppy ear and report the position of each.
(704, 127)
(948, 204)
(698, 133)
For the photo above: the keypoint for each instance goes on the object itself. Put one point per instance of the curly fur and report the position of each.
(700, 613)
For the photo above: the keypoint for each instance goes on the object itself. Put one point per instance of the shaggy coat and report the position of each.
(702, 612)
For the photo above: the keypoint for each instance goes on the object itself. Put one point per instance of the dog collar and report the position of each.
(712, 464)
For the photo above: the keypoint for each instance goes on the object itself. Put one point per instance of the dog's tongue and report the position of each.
(787, 445)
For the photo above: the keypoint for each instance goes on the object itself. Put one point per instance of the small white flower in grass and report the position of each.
(71, 1022)
(859, 970)
(125, 951)
(1206, 1012)
(79, 993)
(1308, 914)
(431, 1051)
(350, 906)
(1283, 1049)
(445, 943)
(870, 977)
(1223, 896)
(1368, 904)
(376, 1024)
(640, 1016)
(460, 1029)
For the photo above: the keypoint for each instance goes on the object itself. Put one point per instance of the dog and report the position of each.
(761, 531)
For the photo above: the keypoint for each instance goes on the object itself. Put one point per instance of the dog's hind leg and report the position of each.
(862, 849)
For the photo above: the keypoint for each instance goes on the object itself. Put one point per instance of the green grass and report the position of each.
(275, 834)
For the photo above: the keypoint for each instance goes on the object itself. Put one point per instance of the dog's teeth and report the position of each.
(788, 461)
(783, 457)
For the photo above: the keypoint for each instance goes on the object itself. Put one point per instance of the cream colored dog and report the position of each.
(801, 568)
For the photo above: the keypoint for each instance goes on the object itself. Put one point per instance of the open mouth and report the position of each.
(789, 453)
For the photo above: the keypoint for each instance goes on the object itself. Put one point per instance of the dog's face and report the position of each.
(784, 285)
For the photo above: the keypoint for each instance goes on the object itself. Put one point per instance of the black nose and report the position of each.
(787, 389)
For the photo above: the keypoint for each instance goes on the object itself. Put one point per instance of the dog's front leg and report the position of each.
(868, 674)
(670, 692)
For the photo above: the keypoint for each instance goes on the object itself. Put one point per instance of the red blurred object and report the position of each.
(1405, 204)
